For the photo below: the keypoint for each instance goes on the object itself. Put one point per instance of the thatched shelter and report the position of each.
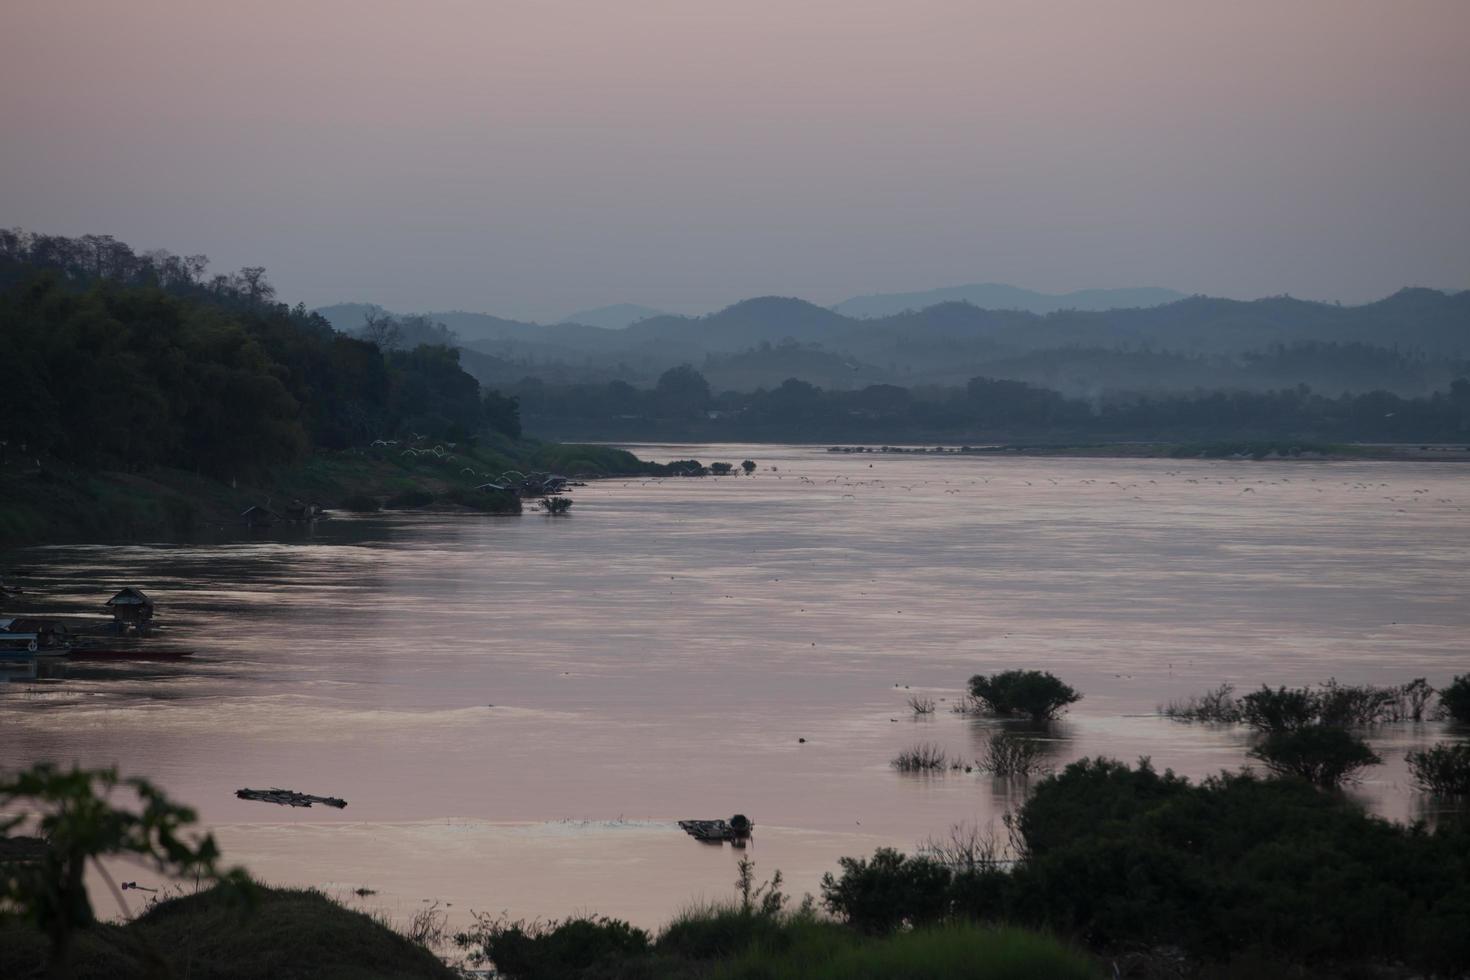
(131, 607)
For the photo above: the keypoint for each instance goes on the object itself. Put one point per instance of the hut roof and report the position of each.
(129, 597)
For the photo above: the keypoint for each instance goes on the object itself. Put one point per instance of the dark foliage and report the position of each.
(1283, 709)
(1455, 698)
(1035, 693)
(1123, 856)
(1322, 755)
(1443, 769)
(888, 891)
(1287, 422)
(409, 500)
(583, 946)
(126, 361)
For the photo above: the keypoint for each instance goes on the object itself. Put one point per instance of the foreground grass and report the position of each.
(731, 942)
(828, 951)
(213, 935)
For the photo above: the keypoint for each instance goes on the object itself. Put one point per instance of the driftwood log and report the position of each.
(288, 797)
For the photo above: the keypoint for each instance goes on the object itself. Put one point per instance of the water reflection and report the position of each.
(695, 648)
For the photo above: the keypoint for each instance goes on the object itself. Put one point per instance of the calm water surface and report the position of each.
(517, 709)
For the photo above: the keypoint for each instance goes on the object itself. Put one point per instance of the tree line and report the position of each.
(683, 405)
(124, 360)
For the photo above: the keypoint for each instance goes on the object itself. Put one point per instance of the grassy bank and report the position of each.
(46, 500)
(296, 933)
(214, 935)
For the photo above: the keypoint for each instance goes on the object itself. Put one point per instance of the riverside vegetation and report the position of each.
(1142, 871)
(143, 397)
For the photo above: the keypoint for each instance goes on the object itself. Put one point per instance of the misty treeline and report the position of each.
(126, 360)
(682, 404)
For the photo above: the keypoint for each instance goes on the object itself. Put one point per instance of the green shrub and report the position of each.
(1455, 699)
(720, 932)
(1126, 855)
(1321, 755)
(1023, 692)
(485, 501)
(409, 499)
(552, 950)
(889, 891)
(1283, 709)
(1443, 769)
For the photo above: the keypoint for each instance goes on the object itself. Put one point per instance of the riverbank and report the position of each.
(45, 500)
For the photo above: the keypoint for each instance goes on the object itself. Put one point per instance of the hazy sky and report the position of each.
(530, 157)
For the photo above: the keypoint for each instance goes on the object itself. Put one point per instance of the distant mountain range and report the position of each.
(998, 296)
(614, 317)
(1412, 341)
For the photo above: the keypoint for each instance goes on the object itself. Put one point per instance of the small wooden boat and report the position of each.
(99, 653)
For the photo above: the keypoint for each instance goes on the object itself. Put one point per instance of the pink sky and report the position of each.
(531, 157)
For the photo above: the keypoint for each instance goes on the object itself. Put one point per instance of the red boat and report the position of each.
(87, 653)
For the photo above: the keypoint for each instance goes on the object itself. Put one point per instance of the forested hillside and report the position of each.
(121, 360)
(143, 396)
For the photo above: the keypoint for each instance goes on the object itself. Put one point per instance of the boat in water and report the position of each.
(27, 639)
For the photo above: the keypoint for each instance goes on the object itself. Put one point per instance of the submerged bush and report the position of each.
(556, 506)
(1334, 703)
(1443, 769)
(1013, 755)
(924, 757)
(921, 705)
(1416, 695)
(1321, 755)
(1281, 710)
(1215, 705)
(1455, 699)
(1023, 692)
(1346, 705)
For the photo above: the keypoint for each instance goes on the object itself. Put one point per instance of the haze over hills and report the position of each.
(1000, 296)
(613, 317)
(1411, 342)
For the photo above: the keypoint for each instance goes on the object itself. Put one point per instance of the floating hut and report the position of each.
(130, 607)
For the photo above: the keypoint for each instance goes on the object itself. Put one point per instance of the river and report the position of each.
(518, 709)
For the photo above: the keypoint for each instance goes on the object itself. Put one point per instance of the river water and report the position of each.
(518, 709)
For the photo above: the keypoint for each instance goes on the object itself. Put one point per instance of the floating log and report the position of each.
(736, 830)
(288, 797)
